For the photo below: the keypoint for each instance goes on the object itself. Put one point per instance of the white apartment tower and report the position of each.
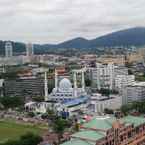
(8, 49)
(134, 92)
(29, 49)
(103, 76)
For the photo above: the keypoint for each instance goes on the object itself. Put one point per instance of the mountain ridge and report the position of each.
(127, 37)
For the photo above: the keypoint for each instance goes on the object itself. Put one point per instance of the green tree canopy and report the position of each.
(27, 139)
(11, 102)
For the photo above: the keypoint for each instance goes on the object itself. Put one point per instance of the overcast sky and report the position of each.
(53, 21)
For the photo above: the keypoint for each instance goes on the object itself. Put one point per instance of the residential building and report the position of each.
(29, 50)
(122, 81)
(120, 70)
(103, 75)
(134, 92)
(116, 59)
(106, 130)
(100, 102)
(8, 49)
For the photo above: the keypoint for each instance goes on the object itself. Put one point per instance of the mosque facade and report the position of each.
(65, 91)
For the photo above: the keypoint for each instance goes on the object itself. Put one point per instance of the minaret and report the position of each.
(83, 80)
(46, 86)
(56, 80)
(75, 85)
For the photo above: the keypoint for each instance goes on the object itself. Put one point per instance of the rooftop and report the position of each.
(75, 101)
(138, 84)
(89, 134)
(101, 124)
(78, 142)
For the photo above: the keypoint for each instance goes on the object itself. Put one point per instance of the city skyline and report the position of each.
(54, 21)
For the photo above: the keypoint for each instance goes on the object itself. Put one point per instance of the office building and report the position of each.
(30, 86)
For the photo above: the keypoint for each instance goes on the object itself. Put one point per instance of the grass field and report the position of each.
(11, 130)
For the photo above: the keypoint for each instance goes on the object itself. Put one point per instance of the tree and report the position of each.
(27, 139)
(30, 139)
(108, 111)
(38, 99)
(88, 82)
(105, 92)
(31, 114)
(11, 102)
(125, 109)
(59, 126)
(51, 113)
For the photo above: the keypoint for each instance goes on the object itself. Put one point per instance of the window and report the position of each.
(129, 134)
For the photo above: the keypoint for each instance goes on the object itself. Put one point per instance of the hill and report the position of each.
(128, 37)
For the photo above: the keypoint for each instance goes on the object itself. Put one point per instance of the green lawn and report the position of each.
(11, 130)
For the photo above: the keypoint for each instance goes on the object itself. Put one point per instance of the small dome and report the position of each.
(65, 84)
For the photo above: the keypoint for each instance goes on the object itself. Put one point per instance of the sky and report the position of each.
(54, 21)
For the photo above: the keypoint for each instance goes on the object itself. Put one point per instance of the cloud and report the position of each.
(52, 21)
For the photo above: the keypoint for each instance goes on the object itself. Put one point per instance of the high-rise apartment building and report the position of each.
(102, 76)
(8, 49)
(29, 49)
(134, 92)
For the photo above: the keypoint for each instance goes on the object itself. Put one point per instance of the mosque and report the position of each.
(68, 98)
(71, 99)
(64, 90)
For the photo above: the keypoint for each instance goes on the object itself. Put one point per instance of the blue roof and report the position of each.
(76, 101)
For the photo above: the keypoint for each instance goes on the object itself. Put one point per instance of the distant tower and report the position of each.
(45, 86)
(8, 49)
(29, 49)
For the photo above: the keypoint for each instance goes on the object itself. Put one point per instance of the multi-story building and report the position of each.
(88, 60)
(17, 60)
(24, 86)
(120, 70)
(116, 59)
(99, 102)
(106, 130)
(1, 87)
(134, 92)
(29, 50)
(8, 49)
(122, 81)
(102, 76)
(105, 75)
